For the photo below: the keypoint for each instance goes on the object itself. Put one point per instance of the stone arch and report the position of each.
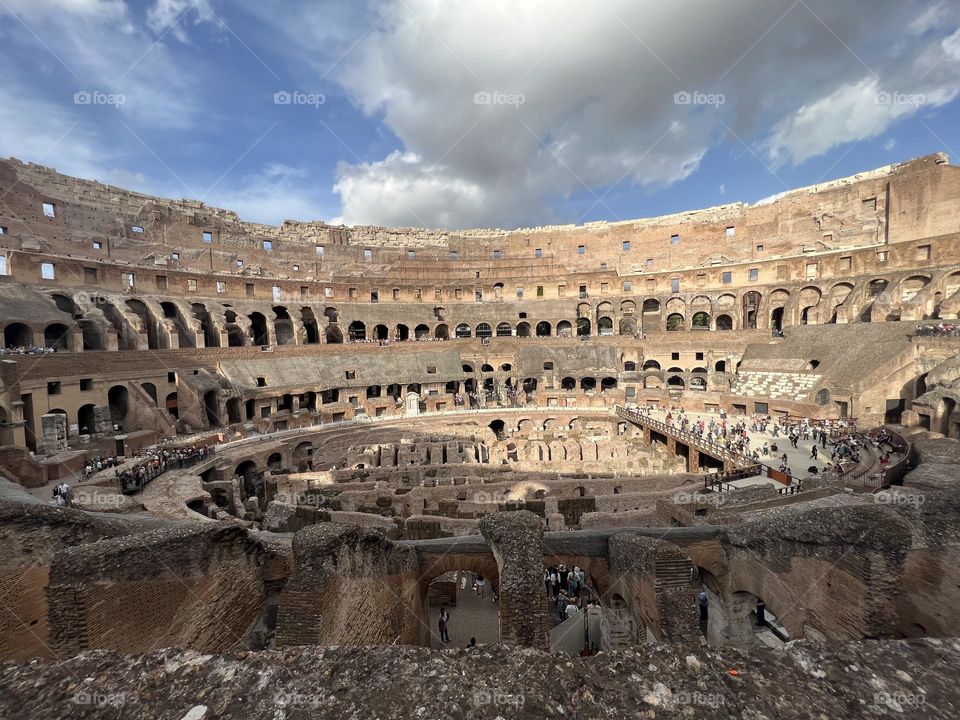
(56, 336)
(333, 334)
(564, 329)
(523, 329)
(504, 329)
(442, 332)
(543, 329)
(463, 331)
(17, 334)
(357, 330)
(421, 332)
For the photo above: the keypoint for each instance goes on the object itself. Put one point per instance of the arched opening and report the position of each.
(543, 329)
(56, 336)
(258, 329)
(463, 331)
(698, 383)
(170, 405)
(504, 330)
(233, 411)
(118, 397)
(523, 329)
(605, 326)
(17, 335)
(283, 326)
(86, 419)
(584, 327)
(724, 322)
(442, 332)
(484, 330)
(674, 322)
(374, 391)
(421, 332)
(823, 397)
(675, 381)
(813, 365)
(274, 462)
(720, 366)
(628, 326)
(497, 427)
(776, 319)
(564, 329)
(211, 407)
(568, 383)
(651, 365)
(310, 326)
(629, 366)
(380, 332)
(333, 335)
(608, 383)
(331, 314)
(151, 390)
(588, 384)
(700, 321)
(403, 332)
(358, 331)
(751, 304)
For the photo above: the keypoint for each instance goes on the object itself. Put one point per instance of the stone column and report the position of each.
(516, 539)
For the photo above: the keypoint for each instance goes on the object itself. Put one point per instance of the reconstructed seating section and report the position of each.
(775, 385)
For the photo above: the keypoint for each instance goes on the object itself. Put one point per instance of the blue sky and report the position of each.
(475, 113)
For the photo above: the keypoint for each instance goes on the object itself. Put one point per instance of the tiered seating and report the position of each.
(775, 385)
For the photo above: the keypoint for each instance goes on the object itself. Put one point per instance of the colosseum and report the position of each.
(703, 464)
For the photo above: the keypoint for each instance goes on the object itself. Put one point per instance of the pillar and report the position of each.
(516, 539)
(729, 621)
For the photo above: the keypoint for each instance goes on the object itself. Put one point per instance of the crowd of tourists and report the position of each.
(567, 589)
(27, 350)
(156, 462)
(940, 329)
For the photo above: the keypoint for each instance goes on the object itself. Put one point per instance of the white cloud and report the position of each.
(174, 16)
(598, 85)
(101, 50)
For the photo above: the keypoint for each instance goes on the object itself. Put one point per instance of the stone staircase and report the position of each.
(774, 385)
(673, 573)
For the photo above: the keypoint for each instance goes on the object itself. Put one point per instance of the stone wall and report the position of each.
(350, 586)
(197, 587)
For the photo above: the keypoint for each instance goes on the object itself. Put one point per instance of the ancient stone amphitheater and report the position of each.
(288, 447)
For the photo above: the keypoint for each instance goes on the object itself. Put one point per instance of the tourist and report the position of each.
(813, 453)
(703, 601)
(444, 622)
(571, 609)
(481, 585)
(472, 643)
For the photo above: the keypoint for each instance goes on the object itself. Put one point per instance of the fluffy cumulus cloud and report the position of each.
(501, 107)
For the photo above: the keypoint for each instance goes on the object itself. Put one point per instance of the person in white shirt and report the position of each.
(571, 609)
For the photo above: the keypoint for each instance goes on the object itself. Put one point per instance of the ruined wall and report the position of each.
(350, 586)
(31, 535)
(200, 588)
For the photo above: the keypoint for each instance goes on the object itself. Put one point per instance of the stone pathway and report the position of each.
(473, 616)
